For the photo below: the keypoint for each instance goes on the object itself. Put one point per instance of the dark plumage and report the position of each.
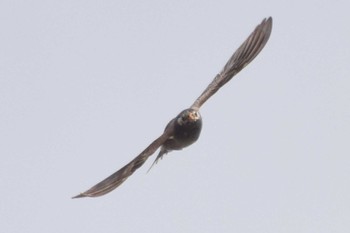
(185, 128)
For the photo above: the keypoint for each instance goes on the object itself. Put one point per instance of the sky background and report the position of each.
(85, 86)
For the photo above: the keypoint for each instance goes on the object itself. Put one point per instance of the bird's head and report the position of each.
(188, 116)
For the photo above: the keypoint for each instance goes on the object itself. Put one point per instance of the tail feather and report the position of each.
(160, 155)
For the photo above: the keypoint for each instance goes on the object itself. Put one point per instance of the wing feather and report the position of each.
(117, 178)
(250, 48)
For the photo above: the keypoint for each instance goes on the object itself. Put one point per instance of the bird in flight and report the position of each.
(185, 128)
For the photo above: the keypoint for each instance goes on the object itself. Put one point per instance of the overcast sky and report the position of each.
(85, 86)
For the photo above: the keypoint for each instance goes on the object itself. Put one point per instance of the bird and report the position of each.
(185, 128)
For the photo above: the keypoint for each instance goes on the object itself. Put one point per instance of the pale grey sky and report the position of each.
(87, 85)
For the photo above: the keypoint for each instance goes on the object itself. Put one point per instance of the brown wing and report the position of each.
(242, 57)
(117, 178)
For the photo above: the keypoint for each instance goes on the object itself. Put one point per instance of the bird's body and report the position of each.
(185, 128)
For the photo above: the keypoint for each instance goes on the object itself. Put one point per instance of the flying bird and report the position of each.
(185, 128)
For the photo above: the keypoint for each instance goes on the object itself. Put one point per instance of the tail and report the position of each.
(162, 152)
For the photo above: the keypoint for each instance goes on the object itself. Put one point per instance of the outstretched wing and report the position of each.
(117, 178)
(242, 57)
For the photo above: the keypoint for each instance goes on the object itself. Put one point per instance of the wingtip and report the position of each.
(266, 25)
(267, 20)
(270, 20)
(79, 196)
